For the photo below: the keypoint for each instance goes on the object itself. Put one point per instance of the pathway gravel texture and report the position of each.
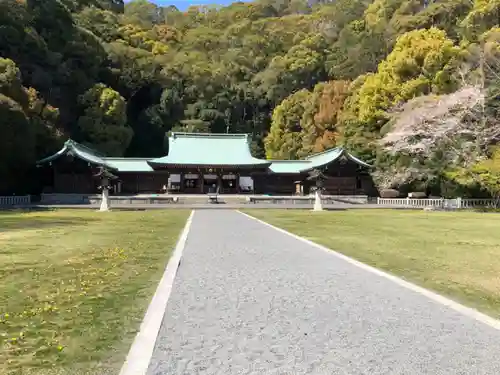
(248, 299)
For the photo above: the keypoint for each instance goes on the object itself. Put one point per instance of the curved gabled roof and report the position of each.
(91, 156)
(288, 166)
(331, 155)
(314, 161)
(80, 151)
(209, 149)
(130, 164)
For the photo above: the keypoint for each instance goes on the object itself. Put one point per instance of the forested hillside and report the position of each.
(408, 85)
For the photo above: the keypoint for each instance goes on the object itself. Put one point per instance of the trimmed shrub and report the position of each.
(389, 193)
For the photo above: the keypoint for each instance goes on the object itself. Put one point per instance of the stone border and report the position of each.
(141, 351)
(464, 310)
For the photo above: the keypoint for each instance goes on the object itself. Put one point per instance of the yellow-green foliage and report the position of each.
(419, 64)
(485, 173)
(105, 119)
(491, 40)
(138, 37)
(284, 139)
(483, 16)
(380, 12)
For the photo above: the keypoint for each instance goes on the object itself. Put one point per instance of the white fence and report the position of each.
(307, 199)
(437, 202)
(15, 200)
(471, 203)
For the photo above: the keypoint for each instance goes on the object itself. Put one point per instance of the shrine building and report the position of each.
(200, 163)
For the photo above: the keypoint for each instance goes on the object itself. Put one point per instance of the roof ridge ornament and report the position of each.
(209, 135)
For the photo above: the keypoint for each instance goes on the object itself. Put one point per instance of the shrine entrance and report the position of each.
(230, 184)
(210, 182)
(226, 183)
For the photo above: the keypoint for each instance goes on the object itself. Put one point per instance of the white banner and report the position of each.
(191, 176)
(175, 178)
(210, 177)
(246, 182)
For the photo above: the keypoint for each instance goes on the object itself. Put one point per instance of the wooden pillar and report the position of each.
(181, 189)
(254, 177)
(202, 180)
(219, 182)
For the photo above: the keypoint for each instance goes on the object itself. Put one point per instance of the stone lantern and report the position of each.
(105, 176)
(319, 178)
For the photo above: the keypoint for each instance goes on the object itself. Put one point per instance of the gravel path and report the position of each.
(251, 300)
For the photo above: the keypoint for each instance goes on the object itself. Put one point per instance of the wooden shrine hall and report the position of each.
(202, 163)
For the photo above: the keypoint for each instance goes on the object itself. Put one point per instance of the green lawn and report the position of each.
(456, 254)
(75, 284)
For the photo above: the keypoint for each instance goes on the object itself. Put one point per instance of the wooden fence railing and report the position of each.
(411, 202)
(15, 200)
(437, 202)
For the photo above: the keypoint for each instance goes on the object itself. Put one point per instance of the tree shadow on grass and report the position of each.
(19, 222)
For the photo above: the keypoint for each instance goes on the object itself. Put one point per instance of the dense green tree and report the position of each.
(144, 13)
(485, 174)
(18, 132)
(104, 120)
(285, 136)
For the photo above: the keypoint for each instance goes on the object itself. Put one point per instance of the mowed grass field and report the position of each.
(75, 284)
(454, 253)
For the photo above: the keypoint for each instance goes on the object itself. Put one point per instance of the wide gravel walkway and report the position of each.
(251, 300)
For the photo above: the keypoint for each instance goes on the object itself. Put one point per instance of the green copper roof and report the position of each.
(210, 150)
(288, 166)
(129, 164)
(87, 154)
(80, 151)
(328, 156)
(314, 161)
(204, 149)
